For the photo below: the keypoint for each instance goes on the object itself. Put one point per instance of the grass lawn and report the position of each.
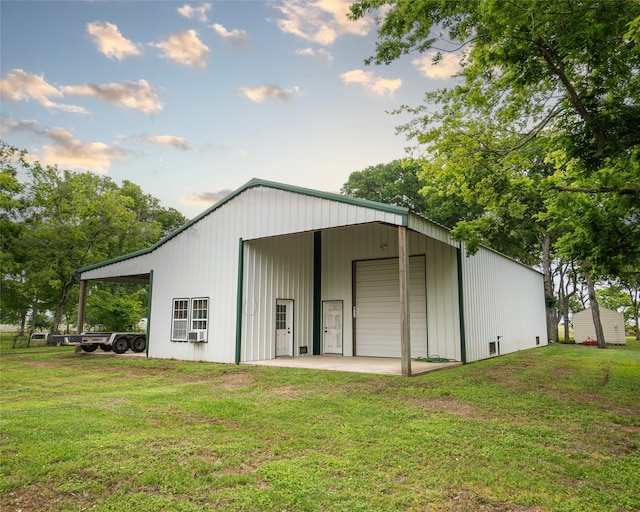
(555, 428)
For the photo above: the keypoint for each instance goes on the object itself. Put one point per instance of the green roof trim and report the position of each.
(255, 183)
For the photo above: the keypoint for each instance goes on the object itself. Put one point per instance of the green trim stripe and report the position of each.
(149, 308)
(463, 341)
(239, 300)
(317, 291)
(254, 183)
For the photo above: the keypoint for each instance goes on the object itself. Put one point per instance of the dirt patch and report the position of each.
(471, 502)
(236, 379)
(42, 497)
(451, 407)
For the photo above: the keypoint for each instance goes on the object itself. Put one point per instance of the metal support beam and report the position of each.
(82, 302)
(405, 321)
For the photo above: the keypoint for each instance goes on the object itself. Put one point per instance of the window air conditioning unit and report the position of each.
(199, 336)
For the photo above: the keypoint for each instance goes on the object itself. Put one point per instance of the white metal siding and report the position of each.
(276, 268)
(501, 298)
(202, 261)
(612, 325)
(378, 308)
(426, 227)
(272, 212)
(342, 246)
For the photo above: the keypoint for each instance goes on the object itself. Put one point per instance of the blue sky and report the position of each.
(191, 100)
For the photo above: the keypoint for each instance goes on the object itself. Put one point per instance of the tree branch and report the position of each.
(601, 190)
(554, 61)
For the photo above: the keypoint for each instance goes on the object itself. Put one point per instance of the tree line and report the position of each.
(54, 222)
(535, 150)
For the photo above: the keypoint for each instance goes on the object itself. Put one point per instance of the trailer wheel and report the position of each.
(138, 344)
(89, 348)
(120, 345)
(105, 348)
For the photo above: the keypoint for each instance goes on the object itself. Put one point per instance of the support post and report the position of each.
(405, 321)
(239, 300)
(82, 302)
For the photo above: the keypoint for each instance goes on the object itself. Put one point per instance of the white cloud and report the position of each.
(200, 12)
(264, 92)
(110, 41)
(207, 198)
(321, 54)
(19, 85)
(137, 95)
(65, 150)
(236, 37)
(168, 140)
(444, 69)
(68, 152)
(185, 48)
(372, 83)
(320, 21)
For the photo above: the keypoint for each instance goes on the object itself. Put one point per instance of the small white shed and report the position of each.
(612, 325)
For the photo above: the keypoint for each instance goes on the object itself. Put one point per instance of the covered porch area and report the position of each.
(372, 365)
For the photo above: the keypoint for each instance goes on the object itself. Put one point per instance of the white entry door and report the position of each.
(332, 326)
(284, 328)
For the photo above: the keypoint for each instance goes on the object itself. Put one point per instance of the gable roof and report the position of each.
(255, 182)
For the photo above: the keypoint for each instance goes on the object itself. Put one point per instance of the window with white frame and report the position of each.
(180, 320)
(199, 314)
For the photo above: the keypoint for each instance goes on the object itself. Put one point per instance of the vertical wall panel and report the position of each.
(501, 298)
(276, 268)
(340, 247)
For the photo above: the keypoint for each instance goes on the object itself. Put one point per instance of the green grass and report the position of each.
(556, 428)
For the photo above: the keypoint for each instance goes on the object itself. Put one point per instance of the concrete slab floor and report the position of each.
(373, 365)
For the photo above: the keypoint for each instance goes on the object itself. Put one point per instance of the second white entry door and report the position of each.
(284, 328)
(332, 326)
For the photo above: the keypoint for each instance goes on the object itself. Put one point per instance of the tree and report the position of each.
(399, 183)
(16, 296)
(559, 76)
(116, 307)
(65, 221)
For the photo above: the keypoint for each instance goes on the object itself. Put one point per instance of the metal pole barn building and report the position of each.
(279, 271)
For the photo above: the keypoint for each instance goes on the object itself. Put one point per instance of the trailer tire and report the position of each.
(105, 348)
(89, 347)
(138, 344)
(120, 345)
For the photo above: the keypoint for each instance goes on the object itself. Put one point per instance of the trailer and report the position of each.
(119, 342)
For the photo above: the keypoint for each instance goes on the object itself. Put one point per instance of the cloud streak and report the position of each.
(371, 83)
(199, 13)
(443, 69)
(110, 41)
(320, 21)
(19, 85)
(236, 37)
(65, 150)
(185, 48)
(266, 92)
(321, 54)
(167, 140)
(207, 198)
(136, 95)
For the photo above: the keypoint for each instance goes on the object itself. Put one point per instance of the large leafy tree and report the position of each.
(67, 220)
(399, 183)
(560, 76)
(16, 297)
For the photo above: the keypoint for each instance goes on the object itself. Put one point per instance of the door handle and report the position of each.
(288, 330)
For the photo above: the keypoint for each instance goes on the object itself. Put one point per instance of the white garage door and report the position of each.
(378, 308)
